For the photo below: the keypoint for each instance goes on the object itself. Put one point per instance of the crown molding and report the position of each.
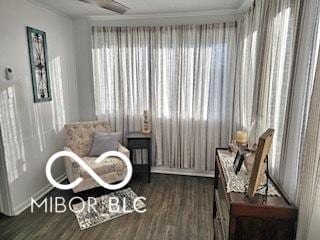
(224, 12)
(52, 9)
(167, 15)
(245, 5)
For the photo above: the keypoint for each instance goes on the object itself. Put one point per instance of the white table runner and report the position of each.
(237, 183)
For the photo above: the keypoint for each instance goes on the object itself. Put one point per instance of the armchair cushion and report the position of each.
(103, 142)
(79, 136)
(108, 165)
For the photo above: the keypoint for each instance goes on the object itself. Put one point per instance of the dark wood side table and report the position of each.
(138, 140)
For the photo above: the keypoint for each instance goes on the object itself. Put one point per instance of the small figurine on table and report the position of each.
(146, 123)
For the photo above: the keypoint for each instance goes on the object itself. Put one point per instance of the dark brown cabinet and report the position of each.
(237, 217)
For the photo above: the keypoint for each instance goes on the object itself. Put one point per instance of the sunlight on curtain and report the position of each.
(182, 74)
(309, 181)
(307, 198)
(276, 76)
(192, 82)
(121, 75)
(264, 67)
(121, 60)
(248, 42)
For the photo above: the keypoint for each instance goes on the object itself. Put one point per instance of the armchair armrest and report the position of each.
(71, 166)
(124, 150)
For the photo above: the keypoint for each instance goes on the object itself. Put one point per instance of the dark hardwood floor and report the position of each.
(178, 207)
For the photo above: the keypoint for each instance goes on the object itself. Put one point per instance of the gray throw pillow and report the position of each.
(104, 142)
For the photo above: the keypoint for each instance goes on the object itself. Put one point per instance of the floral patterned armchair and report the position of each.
(79, 138)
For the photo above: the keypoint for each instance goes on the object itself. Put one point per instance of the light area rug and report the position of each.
(103, 211)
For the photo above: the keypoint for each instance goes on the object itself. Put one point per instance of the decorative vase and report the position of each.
(146, 129)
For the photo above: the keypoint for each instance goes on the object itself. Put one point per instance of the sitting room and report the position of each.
(160, 119)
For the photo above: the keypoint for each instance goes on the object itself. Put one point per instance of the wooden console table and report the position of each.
(238, 218)
(137, 140)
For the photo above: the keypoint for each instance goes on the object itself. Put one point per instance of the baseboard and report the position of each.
(185, 172)
(43, 191)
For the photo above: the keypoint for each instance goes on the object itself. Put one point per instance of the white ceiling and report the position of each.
(76, 8)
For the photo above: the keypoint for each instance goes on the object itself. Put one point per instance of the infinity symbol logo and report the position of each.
(76, 158)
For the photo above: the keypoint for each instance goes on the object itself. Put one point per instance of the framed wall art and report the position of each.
(37, 44)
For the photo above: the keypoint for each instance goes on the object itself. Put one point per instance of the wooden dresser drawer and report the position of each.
(237, 217)
(222, 217)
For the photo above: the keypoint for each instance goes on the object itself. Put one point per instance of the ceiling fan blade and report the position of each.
(109, 5)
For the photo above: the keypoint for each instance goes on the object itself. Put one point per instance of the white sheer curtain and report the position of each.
(275, 77)
(188, 73)
(309, 181)
(192, 80)
(264, 71)
(121, 75)
(303, 79)
(307, 84)
(286, 93)
(248, 35)
(121, 61)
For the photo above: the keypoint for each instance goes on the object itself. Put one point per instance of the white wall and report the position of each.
(34, 131)
(82, 35)
(82, 31)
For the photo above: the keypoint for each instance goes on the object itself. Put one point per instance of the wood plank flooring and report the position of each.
(178, 207)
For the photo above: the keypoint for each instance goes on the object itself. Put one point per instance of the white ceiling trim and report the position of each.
(52, 9)
(245, 5)
(224, 12)
(168, 15)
